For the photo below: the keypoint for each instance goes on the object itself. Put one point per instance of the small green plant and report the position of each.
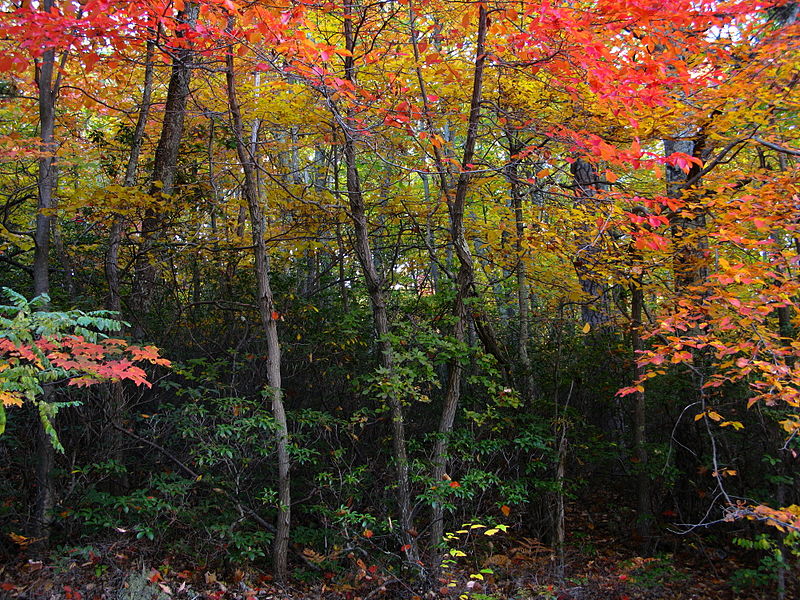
(470, 580)
(138, 586)
(775, 558)
(63, 558)
(653, 573)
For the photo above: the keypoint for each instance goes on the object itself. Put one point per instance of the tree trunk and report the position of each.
(266, 308)
(374, 288)
(45, 454)
(114, 301)
(483, 327)
(595, 309)
(645, 517)
(689, 260)
(523, 293)
(164, 166)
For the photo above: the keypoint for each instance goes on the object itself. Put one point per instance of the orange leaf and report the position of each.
(506, 510)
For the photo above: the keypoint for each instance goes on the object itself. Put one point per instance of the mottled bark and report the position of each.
(523, 292)
(596, 307)
(266, 308)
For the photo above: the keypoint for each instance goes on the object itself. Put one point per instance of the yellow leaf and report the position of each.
(20, 540)
(490, 531)
(586, 328)
(699, 416)
(735, 424)
(9, 399)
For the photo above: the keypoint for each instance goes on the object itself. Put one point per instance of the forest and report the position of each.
(361, 299)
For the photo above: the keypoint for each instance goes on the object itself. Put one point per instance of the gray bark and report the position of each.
(266, 308)
(374, 286)
(523, 292)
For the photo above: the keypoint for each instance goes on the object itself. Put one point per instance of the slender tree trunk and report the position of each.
(116, 404)
(266, 307)
(644, 518)
(689, 258)
(465, 277)
(483, 327)
(70, 287)
(340, 258)
(48, 84)
(381, 319)
(118, 225)
(560, 524)
(374, 286)
(523, 293)
(430, 238)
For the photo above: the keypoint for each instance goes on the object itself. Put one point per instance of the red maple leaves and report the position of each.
(84, 362)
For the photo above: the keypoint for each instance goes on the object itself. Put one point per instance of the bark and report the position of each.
(340, 258)
(430, 238)
(483, 327)
(374, 286)
(116, 402)
(645, 517)
(165, 163)
(596, 309)
(560, 507)
(465, 276)
(48, 84)
(114, 301)
(523, 292)
(266, 308)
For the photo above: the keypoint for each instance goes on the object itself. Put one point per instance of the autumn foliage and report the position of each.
(467, 241)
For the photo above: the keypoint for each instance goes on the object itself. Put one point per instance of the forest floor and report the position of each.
(594, 570)
(600, 563)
